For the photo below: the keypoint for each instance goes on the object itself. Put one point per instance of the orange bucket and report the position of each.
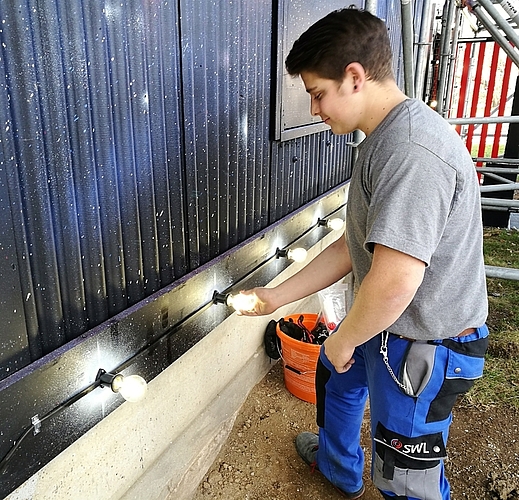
(300, 360)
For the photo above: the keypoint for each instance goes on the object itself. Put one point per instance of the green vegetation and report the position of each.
(488, 150)
(500, 384)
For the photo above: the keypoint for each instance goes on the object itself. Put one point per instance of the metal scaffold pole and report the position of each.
(408, 46)
(445, 52)
(423, 48)
(479, 11)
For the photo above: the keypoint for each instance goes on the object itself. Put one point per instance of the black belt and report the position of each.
(467, 331)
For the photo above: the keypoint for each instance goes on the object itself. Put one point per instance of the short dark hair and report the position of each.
(340, 38)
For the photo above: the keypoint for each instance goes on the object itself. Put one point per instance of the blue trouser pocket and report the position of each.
(408, 467)
(417, 367)
(465, 361)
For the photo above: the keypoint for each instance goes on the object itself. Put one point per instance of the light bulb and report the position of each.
(335, 224)
(297, 254)
(132, 388)
(241, 302)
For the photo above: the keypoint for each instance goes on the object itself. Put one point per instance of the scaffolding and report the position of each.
(501, 23)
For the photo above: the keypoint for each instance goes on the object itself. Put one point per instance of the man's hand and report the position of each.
(263, 301)
(339, 352)
(384, 294)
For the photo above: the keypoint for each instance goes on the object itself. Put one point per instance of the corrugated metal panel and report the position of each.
(226, 63)
(336, 160)
(389, 11)
(14, 352)
(135, 148)
(95, 176)
(307, 167)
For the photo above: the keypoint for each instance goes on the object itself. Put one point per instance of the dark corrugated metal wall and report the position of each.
(226, 67)
(94, 168)
(134, 148)
(305, 168)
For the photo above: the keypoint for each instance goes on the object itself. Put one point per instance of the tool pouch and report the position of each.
(408, 467)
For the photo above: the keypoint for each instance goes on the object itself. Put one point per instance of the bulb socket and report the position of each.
(220, 298)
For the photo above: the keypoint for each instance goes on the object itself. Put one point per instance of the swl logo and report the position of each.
(418, 448)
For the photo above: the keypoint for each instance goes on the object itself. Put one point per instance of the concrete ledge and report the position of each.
(177, 472)
(161, 448)
(190, 455)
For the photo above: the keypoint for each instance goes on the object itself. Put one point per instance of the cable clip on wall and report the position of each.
(132, 389)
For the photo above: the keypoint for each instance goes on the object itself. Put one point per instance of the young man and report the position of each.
(415, 336)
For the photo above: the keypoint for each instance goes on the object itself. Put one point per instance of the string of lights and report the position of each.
(133, 388)
(242, 302)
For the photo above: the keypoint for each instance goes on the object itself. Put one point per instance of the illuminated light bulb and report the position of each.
(131, 388)
(336, 224)
(241, 302)
(433, 104)
(295, 254)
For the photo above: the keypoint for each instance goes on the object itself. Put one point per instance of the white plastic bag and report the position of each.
(334, 304)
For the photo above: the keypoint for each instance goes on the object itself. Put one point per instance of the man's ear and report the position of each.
(355, 74)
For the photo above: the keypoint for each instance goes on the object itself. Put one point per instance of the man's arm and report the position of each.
(384, 294)
(332, 264)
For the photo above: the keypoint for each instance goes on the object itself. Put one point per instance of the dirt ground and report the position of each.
(259, 461)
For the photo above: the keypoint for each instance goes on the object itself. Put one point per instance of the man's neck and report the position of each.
(380, 99)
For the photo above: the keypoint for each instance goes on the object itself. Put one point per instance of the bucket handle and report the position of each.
(287, 366)
(295, 370)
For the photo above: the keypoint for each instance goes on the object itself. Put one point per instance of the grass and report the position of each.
(500, 383)
(488, 150)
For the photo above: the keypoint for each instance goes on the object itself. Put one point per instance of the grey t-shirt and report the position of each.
(414, 188)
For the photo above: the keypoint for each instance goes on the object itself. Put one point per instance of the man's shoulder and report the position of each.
(430, 131)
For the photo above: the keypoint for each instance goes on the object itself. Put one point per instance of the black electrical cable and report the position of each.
(50, 414)
(128, 362)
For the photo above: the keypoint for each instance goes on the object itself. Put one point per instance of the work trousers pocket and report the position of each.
(408, 467)
(417, 367)
(465, 361)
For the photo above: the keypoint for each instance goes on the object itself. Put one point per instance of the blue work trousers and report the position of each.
(410, 418)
